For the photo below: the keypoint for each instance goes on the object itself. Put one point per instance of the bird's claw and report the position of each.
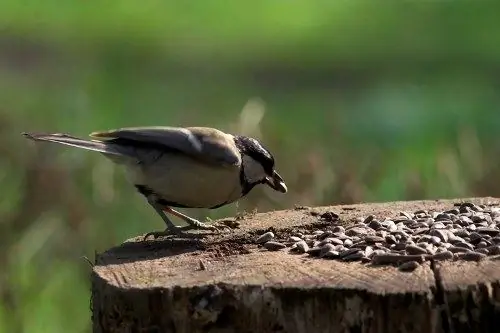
(217, 226)
(166, 232)
(204, 226)
(180, 230)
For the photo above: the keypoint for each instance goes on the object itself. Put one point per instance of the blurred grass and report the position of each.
(364, 101)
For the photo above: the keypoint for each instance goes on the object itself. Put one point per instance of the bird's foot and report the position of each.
(197, 225)
(180, 231)
(175, 231)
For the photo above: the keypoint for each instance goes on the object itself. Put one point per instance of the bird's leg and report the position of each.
(171, 228)
(193, 223)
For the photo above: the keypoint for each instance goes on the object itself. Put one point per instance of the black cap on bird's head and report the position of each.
(259, 154)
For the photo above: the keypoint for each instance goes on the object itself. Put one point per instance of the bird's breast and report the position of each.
(186, 182)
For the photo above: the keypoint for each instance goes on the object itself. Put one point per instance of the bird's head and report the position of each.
(258, 164)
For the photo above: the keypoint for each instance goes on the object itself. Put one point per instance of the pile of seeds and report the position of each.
(465, 232)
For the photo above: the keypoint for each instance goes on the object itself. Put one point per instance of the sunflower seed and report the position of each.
(265, 237)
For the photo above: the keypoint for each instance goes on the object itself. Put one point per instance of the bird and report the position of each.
(181, 167)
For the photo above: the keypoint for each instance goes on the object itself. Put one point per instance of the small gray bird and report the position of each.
(192, 167)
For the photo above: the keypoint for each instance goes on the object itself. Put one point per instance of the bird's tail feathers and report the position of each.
(72, 141)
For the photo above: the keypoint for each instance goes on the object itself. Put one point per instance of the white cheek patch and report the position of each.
(254, 172)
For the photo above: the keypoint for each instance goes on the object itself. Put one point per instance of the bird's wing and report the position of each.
(207, 144)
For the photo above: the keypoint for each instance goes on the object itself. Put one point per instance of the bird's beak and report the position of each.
(276, 182)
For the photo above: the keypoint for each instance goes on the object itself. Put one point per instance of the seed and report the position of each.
(406, 214)
(471, 227)
(334, 241)
(438, 225)
(368, 251)
(489, 231)
(442, 216)
(355, 239)
(314, 251)
(395, 258)
(326, 248)
(453, 211)
(324, 235)
(430, 249)
(446, 255)
(265, 237)
(357, 231)
(329, 216)
(470, 256)
(423, 230)
(349, 252)
(493, 250)
(475, 237)
(311, 243)
(424, 238)
(481, 244)
(465, 205)
(360, 244)
(454, 239)
(464, 244)
(461, 233)
(465, 220)
(483, 250)
(390, 239)
(414, 225)
(487, 238)
(413, 249)
(339, 229)
(375, 225)
(477, 219)
(456, 249)
(425, 220)
(368, 219)
(390, 225)
(331, 254)
(370, 239)
(376, 252)
(408, 266)
(353, 256)
(401, 234)
(340, 235)
(274, 246)
(399, 246)
(464, 232)
(435, 240)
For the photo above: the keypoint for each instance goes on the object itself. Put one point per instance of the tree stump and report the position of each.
(227, 283)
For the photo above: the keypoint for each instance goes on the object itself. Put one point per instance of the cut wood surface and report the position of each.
(227, 283)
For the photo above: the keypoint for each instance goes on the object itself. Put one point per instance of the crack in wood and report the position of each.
(440, 299)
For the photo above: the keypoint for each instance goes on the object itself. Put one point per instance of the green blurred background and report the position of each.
(359, 101)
